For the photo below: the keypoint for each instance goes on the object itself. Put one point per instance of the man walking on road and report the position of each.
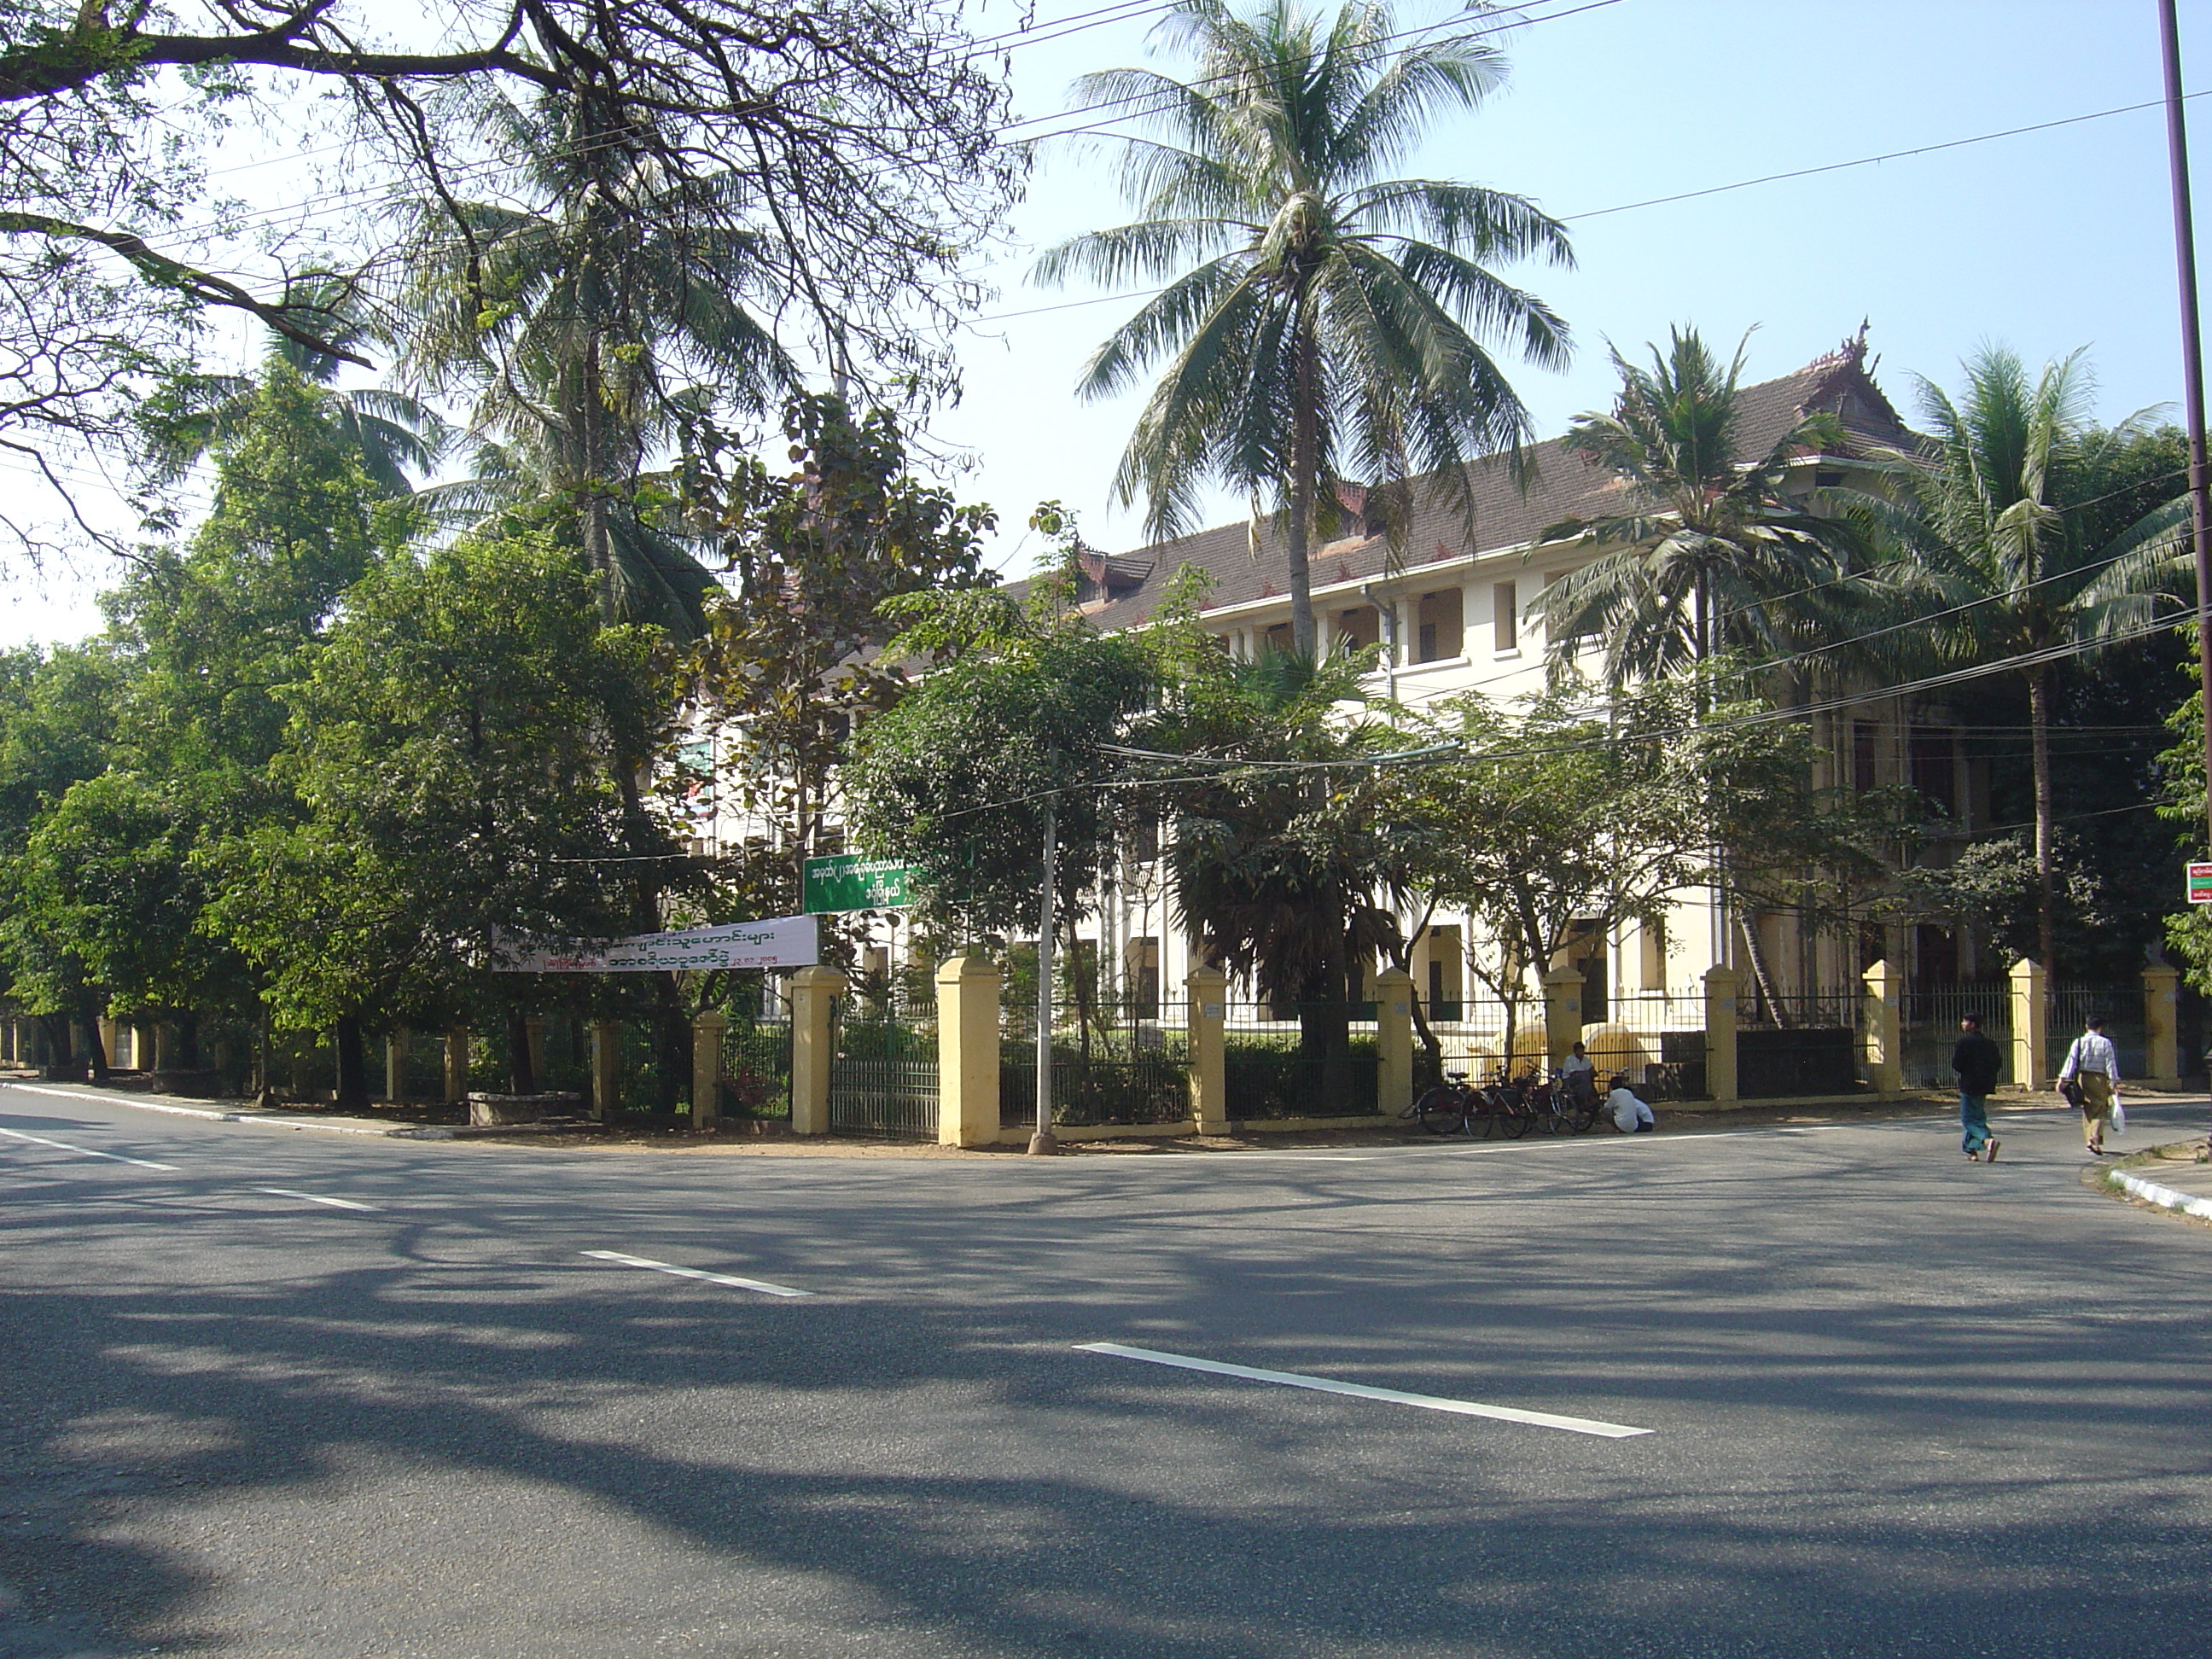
(1978, 1061)
(2096, 1063)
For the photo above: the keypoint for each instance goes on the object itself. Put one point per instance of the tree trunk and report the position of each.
(2039, 721)
(1757, 952)
(352, 1092)
(95, 1051)
(521, 1075)
(62, 1063)
(1305, 459)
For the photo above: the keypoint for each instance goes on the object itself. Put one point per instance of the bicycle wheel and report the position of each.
(1517, 1118)
(1441, 1111)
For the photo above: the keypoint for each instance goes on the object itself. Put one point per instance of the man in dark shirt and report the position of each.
(1977, 1060)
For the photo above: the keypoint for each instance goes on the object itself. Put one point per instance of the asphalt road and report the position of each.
(1896, 1404)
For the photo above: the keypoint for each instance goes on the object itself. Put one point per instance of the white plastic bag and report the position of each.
(2119, 1117)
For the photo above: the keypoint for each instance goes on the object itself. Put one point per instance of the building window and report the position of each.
(1934, 771)
(1143, 961)
(1504, 616)
(1862, 756)
(1651, 940)
(1359, 626)
(1277, 639)
(1440, 626)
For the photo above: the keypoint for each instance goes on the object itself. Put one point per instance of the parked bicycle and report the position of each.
(1510, 1106)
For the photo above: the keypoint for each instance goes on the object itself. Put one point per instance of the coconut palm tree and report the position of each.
(398, 438)
(2004, 567)
(577, 323)
(1319, 317)
(1708, 539)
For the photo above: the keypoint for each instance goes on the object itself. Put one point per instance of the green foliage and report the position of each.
(444, 746)
(1319, 319)
(1710, 554)
(1564, 812)
(960, 778)
(792, 664)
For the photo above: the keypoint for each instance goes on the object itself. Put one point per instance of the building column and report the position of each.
(707, 1031)
(1207, 1009)
(1563, 1014)
(2162, 984)
(814, 993)
(606, 1068)
(395, 1067)
(1721, 988)
(457, 1066)
(1884, 998)
(2030, 1066)
(1394, 1038)
(967, 1052)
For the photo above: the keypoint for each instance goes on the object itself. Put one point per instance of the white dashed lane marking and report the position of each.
(315, 1198)
(732, 1280)
(84, 1151)
(1361, 1391)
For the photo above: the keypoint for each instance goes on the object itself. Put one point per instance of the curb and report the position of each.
(2167, 1198)
(140, 1104)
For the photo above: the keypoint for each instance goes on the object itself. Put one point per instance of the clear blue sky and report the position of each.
(2044, 242)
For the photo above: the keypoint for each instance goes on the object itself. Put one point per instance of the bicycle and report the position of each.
(1444, 1108)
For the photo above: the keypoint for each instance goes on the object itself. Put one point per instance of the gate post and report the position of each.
(814, 993)
(2030, 1066)
(967, 1052)
(1884, 1059)
(1394, 1038)
(1563, 1015)
(706, 1029)
(1721, 985)
(2162, 1021)
(395, 1067)
(1207, 993)
(457, 1066)
(606, 1067)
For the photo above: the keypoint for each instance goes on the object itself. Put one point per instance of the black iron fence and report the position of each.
(1115, 1063)
(757, 1068)
(1302, 1060)
(883, 1071)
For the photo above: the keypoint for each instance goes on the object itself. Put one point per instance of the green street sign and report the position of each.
(849, 882)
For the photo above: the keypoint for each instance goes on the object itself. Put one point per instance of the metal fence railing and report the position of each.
(1302, 1060)
(1111, 1063)
(2070, 1008)
(883, 1071)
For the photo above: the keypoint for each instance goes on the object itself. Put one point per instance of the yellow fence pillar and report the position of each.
(1885, 1012)
(2162, 984)
(606, 1068)
(706, 1029)
(814, 993)
(457, 1066)
(1207, 989)
(108, 1029)
(1394, 1037)
(1721, 986)
(967, 1052)
(395, 1068)
(2031, 1067)
(1563, 1014)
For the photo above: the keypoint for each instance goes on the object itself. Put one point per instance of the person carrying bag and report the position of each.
(2090, 1078)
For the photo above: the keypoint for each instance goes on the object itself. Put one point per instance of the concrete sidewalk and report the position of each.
(226, 1111)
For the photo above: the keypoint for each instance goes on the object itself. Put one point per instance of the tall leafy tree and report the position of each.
(441, 746)
(2011, 565)
(1712, 552)
(1320, 318)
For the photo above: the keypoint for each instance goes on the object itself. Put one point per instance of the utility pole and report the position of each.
(2192, 364)
(1042, 1143)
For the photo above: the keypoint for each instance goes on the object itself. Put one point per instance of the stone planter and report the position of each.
(522, 1108)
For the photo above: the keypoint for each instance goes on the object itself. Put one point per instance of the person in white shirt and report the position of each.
(1631, 1116)
(2096, 1063)
(1578, 1077)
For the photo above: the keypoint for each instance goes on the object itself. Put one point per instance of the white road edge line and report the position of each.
(316, 1198)
(1361, 1390)
(85, 1151)
(200, 1112)
(760, 1285)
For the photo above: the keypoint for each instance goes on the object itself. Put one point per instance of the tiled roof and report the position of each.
(1562, 485)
